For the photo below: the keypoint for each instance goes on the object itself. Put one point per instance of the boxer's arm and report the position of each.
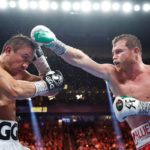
(27, 76)
(79, 59)
(73, 56)
(40, 62)
(19, 89)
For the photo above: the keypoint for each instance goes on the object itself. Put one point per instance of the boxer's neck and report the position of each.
(134, 70)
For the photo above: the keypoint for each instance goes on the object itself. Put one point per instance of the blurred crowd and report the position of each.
(75, 136)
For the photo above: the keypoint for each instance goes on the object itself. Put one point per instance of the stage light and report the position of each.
(66, 6)
(54, 5)
(146, 7)
(114, 121)
(44, 5)
(96, 6)
(23, 4)
(76, 6)
(86, 6)
(3, 4)
(115, 6)
(12, 4)
(137, 8)
(35, 126)
(79, 97)
(33, 5)
(127, 7)
(106, 6)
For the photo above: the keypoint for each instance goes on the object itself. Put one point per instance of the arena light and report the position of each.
(76, 6)
(86, 6)
(12, 4)
(66, 6)
(79, 97)
(35, 126)
(54, 5)
(23, 4)
(96, 6)
(137, 7)
(115, 6)
(127, 7)
(3, 4)
(114, 121)
(33, 5)
(106, 6)
(43, 5)
(146, 7)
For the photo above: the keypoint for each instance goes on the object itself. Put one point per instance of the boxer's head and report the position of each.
(18, 52)
(18, 41)
(131, 41)
(127, 50)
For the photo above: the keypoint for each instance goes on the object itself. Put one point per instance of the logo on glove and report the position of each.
(57, 78)
(119, 105)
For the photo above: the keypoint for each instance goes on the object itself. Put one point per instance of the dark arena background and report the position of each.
(80, 117)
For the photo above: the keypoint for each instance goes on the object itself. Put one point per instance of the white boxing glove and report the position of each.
(125, 106)
(44, 36)
(40, 62)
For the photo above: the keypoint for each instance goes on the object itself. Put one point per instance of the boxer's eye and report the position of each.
(26, 58)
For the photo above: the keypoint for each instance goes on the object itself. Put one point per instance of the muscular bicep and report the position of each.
(15, 89)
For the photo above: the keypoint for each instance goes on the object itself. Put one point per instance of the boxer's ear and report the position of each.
(8, 49)
(136, 50)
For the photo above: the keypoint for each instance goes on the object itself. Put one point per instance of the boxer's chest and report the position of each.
(138, 88)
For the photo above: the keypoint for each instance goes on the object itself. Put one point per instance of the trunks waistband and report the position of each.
(8, 130)
(141, 135)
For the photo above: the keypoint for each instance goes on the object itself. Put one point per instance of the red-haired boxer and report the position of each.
(16, 83)
(128, 77)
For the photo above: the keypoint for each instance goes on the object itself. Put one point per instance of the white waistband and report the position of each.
(141, 135)
(8, 130)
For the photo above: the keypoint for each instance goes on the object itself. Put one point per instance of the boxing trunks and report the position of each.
(141, 136)
(8, 136)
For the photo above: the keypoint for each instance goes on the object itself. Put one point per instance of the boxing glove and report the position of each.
(40, 62)
(125, 106)
(44, 36)
(52, 82)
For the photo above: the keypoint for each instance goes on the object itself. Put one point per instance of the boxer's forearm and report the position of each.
(40, 62)
(19, 89)
(74, 57)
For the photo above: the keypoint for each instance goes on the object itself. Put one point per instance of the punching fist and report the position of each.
(52, 82)
(44, 36)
